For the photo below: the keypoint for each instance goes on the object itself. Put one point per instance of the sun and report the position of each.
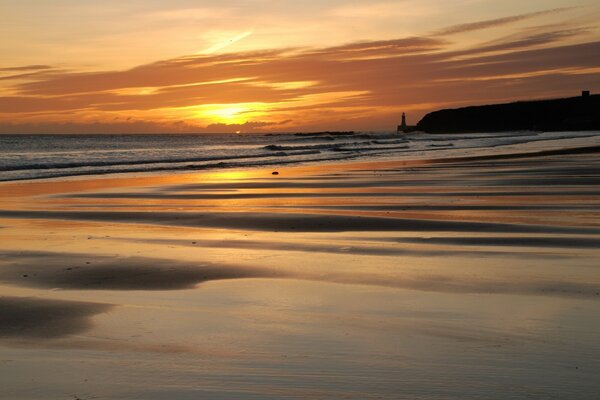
(227, 114)
(239, 113)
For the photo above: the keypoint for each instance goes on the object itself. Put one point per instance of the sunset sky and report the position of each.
(266, 66)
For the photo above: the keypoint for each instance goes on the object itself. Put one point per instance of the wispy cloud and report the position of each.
(26, 68)
(492, 23)
(226, 43)
(360, 85)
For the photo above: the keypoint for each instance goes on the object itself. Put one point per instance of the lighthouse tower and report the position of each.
(402, 127)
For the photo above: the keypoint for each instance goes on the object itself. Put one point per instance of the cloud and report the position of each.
(243, 128)
(189, 14)
(370, 10)
(523, 39)
(493, 23)
(366, 83)
(27, 72)
(226, 43)
(381, 10)
(393, 47)
(26, 68)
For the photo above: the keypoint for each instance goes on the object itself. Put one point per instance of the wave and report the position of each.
(67, 165)
(343, 146)
(277, 147)
(49, 173)
(101, 156)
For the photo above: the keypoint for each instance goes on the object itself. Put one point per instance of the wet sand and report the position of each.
(454, 278)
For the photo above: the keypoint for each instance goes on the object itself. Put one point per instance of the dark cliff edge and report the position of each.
(575, 113)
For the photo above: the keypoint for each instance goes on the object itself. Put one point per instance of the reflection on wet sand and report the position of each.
(522, 241)
(294, 222)
(49, 270)
(341, 281)
(80, 271)
(25, 317)
(358, 247)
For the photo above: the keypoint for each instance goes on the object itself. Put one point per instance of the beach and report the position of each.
(433, 270)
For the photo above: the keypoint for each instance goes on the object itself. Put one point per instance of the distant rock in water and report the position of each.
(569, 114)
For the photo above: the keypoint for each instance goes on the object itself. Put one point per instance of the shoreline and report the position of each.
(257, 154)
(346, 163)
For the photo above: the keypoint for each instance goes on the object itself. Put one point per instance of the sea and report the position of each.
(26, 157)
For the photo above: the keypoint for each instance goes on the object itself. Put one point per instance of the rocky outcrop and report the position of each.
(575, 113)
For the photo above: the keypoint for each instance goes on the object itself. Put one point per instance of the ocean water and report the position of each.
(49, 156)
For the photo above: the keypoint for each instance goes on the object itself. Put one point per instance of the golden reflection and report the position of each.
(231, 175)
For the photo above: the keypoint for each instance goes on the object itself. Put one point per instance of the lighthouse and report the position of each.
(402, 127)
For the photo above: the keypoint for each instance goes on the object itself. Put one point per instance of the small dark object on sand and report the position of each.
(274, 173)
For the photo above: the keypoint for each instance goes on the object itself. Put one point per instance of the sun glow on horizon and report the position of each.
(230, 114)
(313, 66)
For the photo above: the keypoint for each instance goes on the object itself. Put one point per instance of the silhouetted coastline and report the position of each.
(567, 114)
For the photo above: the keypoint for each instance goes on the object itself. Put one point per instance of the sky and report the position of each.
(150, 66)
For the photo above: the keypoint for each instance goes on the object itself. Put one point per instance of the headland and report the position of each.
(567, 114)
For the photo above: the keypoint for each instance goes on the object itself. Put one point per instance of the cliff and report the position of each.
(575, 113)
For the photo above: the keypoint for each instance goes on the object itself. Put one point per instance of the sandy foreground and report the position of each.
(460, 278)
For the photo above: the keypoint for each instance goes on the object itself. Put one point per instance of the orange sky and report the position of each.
(259, 66)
